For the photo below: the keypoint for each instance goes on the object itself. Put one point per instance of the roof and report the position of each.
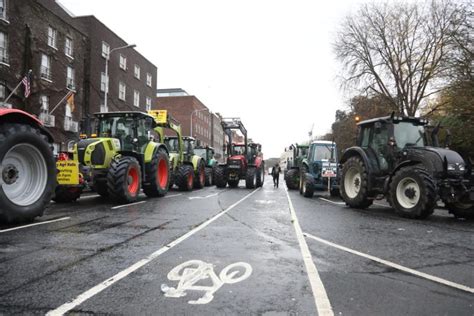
(395, 119)
(323, 142)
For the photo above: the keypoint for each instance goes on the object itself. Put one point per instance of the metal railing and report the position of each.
(45, 73)
(48, 120)
(4, 55)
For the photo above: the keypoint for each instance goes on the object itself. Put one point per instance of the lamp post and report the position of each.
(192, 113)
(107, 57)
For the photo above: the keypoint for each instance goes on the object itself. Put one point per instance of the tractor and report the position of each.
(27, 166)
(120, 158)
(207, 153)
(187, 170)
(244, 161)
(392, 160)
(319, 170)
(292, 172)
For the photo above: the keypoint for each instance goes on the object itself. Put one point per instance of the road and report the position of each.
(266, 251)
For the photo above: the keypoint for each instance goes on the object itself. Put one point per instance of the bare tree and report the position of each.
(399, 51)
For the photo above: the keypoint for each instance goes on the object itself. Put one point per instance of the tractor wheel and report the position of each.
(219, 177)
(101, 188)
(209, 176)
(185, 177)
(260, 176)
(250, 178)
(413, 193)
(124, 180)
(461, 210)
(354, 183)
(27, 171)
(303, 172)
(66, 194)
(233, 183)
(200, 176)
(292, 180)
(157, 175)
(307, 186)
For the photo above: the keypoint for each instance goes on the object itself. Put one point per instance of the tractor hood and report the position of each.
(442, 159)
(97, 151)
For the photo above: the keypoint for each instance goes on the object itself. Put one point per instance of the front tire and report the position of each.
(250, 178)
(413, 193)
(185, 177)
(292, 180)
(260, 176)
(124, 180)
(157, 175)
(219, 177)
(28, 172)
(354, 183)
(200, 176)
(209, 176)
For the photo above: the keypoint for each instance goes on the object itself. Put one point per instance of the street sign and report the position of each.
(68, 172)
(159, 115)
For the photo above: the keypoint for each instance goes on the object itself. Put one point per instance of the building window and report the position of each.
(3, 48)
(137, 72)
(52, 34)
(123, 62)
(122, 91)
(2, 90)
(105, 50)
(44, 101)
(68, 47)
(45, 71)
(148, 79)
(103, 82)
(70, 78)
(3, 9)
(148, 103)
(136, 98)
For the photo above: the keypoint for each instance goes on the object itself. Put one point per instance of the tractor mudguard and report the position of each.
(371, 167)
(196, 160)
(151, 148)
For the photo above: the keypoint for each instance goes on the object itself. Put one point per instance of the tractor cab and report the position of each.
(207, 153)
(254, 151)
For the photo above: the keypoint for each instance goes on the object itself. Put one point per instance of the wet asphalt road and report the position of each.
(236, 251)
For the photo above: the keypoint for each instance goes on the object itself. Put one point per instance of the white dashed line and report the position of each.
(35, 224)
(172, 195)
(383, 205)
(61, 310)
(323, 305)
(120, 206)
(202, 197)
(333, 202)
(394, 265)
(89, 196)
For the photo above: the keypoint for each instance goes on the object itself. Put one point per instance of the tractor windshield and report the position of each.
(239, 149)
(320, 152)
(408, 134)
(201, 152)
(172, 144)
(117, 127)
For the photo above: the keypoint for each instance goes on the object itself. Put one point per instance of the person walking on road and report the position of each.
(276, 175)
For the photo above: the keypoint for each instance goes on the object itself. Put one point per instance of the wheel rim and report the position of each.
(303, 187)
(162, 174)
(408, 193)
(202, 176)
(352, 182)
(133, 180)
(210, 178)
(190, 180)
(25, 174)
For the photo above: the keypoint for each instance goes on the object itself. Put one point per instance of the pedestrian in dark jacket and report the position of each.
(276, 175)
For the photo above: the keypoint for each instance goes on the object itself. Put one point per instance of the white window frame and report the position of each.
(70, 81)
(148, 103)
(52, 37)
(69, 47)
(4, 48)
(136, 98)
(136, 71)
(103, 82)
(3, 13)
(105, 49)
(122, 91)
(44, 102)
(45, 70)
(123, 62)
(3, 90)
(149, 79)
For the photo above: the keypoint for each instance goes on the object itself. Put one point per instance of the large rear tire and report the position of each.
(219, 177)
(209, 176)
(413, 193)
(157, 175)
(124, 180)
(27, 172)
(200, 176)
(307, 186)
(292, 179)
(185, 177)
(354, 183)
(250, 178)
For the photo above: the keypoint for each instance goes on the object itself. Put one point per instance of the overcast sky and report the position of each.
(269, 62)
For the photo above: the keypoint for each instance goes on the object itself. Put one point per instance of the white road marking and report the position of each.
(61, 310)
(333, 202)
(383, 205)
(202, 197)
(173, 195)
(394, 265)
(124, 205)
(323, 305)
(193, 271)
(89, 196)
(34, 224)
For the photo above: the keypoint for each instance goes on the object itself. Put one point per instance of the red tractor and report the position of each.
(244, 160)
(27, 166)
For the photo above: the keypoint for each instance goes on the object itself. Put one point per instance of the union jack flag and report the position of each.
(26, 81)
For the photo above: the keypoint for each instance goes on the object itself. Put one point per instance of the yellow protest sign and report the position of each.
(68, 172)
(159, 115)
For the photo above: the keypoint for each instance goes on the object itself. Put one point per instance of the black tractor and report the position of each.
(400, 159)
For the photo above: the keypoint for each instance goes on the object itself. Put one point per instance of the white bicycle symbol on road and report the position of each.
(191, 272)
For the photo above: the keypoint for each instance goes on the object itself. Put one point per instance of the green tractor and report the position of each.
(207, 153)
(293, 164)
(187, 170)
(120, 158)
(319, 170)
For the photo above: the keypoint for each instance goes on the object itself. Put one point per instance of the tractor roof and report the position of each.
(322, 142)
(395, 119)
(184, 137)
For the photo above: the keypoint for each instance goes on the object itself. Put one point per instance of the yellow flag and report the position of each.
(70, 101)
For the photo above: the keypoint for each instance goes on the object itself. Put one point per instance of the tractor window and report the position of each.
(321, 152)
(201, 152)
(239, 150)
(379, 144)
(365, 137)
(407, 134)
(142, 134)
(118, 127)
(172, 144)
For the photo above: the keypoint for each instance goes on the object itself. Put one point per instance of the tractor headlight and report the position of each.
(456, 167)
(116, 143)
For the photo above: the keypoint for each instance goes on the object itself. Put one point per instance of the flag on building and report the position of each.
(26, 81)
(70, 101)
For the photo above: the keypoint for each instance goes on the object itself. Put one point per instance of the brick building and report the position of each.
(193, 115)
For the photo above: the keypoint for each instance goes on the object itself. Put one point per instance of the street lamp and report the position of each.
(107, 57)
(192, 113)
